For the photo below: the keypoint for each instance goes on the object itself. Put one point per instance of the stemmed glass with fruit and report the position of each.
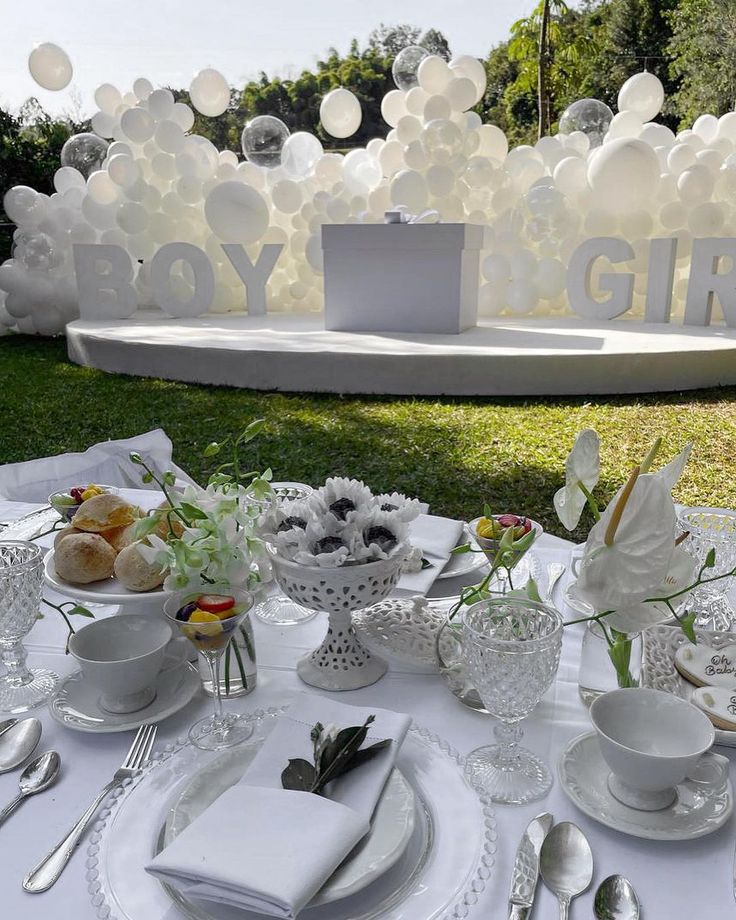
(209, 622)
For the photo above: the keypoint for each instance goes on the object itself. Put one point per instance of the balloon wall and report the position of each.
(141, 180)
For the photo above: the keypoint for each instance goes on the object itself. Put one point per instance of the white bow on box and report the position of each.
(402, 215)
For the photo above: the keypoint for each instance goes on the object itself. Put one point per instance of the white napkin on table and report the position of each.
(267, 849)
(436, 537)
(107, 463)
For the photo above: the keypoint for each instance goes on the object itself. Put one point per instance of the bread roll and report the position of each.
(120, 537)
(66, 532)
(134, 572)
(167, 524)
(104, 512)
(81, 558)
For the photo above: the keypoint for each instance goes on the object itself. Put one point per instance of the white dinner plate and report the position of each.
(391, 826)
(584, 779)
(107, 591)
(442, 870)
(462, 563)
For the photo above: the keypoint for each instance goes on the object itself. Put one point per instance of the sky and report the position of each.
(168, 41)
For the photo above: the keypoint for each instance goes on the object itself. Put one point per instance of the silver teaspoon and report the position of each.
(566, 863)
(616, 899)
(17, 742)
(37, 776)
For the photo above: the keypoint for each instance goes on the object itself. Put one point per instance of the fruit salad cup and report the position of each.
(488, 532)
(66, 504)
(209, 622)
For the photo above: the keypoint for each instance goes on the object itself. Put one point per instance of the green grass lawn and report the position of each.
(454, 453)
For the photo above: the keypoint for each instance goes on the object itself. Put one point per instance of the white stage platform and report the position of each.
(500, 357)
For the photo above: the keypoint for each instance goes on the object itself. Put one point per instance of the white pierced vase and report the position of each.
(342, 662)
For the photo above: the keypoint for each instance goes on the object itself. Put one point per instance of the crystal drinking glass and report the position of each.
(512, 649)
(278, 609)
(712, 529)
(211, 637)
(21, 578)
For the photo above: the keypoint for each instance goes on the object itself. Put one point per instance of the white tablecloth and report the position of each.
(674, 880)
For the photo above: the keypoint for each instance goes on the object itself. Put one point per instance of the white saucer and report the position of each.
(75, 704)
(584, 778)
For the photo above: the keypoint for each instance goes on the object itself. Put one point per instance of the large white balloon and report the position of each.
(340, 113)
(209, 92)
(642, 94)
(236, 213)
(623, 174)
(50, 66)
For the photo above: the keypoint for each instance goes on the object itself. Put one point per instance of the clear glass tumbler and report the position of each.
(21, 580)
(712, 529)
(512, 649)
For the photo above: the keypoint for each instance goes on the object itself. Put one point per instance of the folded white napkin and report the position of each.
(436, 537)
(107, 463)
(267, 849)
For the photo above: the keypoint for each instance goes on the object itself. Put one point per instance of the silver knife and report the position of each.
(526, 867)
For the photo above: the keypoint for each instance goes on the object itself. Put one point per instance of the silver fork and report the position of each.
(50, 868)
(555, 571)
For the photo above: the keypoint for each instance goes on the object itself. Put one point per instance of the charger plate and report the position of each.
(444, 867)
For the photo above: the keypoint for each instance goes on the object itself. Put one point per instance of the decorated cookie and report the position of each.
(707, 667)
(719, 704)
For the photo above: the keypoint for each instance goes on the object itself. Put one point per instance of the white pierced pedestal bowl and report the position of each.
(342, 662)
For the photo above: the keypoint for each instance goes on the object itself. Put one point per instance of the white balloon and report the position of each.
(300, 153)
(706, 127)
(170, 137)
(66, 177)
(493, 143)
(104, 124)
(137, 125)
(695, 184)
(132, 217)
(340, 113)
(183, 116)
(440, 180)
(680, 157)
(393, 107)
(434, 74)
(522, 296)
(550, 279)
(101, 187)
(624, 124)
(108, 98)
(642, 94)
(474, 70)
(497, 269)
(410, 189)
(161, 104)
(415, 101)
(408, 129)
(461, 93)
(142, 89)
(236, 213)
(623, 174)
(287, 196)
(50, 66)
(209, 92)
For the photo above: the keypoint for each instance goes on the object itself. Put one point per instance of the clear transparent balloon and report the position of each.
(263, 140)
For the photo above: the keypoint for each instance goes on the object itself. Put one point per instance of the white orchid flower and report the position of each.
(582, 466)
(682, 572)
(629, 550)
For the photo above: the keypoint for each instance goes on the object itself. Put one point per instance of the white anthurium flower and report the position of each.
(682, 572)
(672, 472)
(581, 466)
(631, 568)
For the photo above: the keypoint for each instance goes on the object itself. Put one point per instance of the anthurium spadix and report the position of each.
(582, 467)
(629, 551)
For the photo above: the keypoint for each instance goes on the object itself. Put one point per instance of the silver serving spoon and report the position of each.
(6, 724)
(17, 742)
(37, 776)
(566, 863)
(616, 899)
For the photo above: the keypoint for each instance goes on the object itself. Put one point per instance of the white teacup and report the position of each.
(122, 656)
(652, 741)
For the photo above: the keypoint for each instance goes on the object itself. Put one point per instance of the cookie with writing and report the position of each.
(707, 667)
(719, 704)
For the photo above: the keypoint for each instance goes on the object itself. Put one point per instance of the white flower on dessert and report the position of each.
(413, 561)
(383, 532)
(582, 466)
(682, 572)
(629, 551)
(405, 508)
(343, 496)
(326, 543)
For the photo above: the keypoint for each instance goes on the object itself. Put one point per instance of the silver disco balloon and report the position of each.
(263, 140)
(591, 116)
(84, 152)
(406, 64)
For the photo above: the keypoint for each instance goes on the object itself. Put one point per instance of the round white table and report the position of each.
(673, 880)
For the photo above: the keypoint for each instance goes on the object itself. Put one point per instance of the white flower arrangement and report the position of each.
(341, 523)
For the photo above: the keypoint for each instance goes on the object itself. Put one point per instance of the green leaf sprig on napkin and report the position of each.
(336, 752)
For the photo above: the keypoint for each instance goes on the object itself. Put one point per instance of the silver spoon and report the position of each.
(37, 776)
(616, 899)
(6, 724)
(566, 863)
(17, 742)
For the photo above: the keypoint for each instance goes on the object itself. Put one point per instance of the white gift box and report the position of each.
(401, 277)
